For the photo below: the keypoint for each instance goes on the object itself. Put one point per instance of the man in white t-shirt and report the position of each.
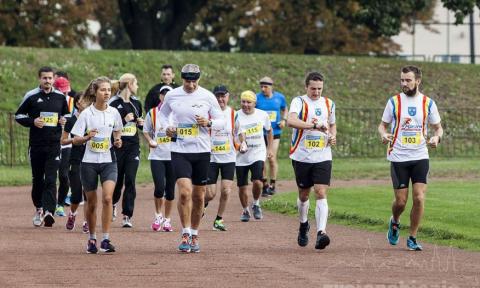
(312, 118)
(409, 114)
(193, 111)
(249, 126)
(223, 157)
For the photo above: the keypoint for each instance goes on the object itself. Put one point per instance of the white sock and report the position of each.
(246, 209)
(158, 215)
(303, 210)
(106, 236)
(194, 232)
(186, 231)
(321, 214)
(256, 202)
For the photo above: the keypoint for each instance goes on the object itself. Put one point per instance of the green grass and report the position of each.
(343, 169)
(451, 211)
(350, 81)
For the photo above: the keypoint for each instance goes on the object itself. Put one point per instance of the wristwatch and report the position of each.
(209, 123)
(314, 126)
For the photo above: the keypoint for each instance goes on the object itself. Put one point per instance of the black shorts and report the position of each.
(191, 165)
(89, 173)
(227, 171)
(402, 172)
(265, 137)
(308, 174)
(256, 170)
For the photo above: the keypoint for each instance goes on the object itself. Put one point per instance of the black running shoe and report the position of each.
(322, 240)
(48, 220)
(92, 246)
(106, 246)
(302, 239)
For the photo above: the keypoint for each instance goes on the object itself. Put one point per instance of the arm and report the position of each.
(79, 140)
(117, 138)
(65, 139)
(270, 143)
(437, 135)
(22, 117)
(284, 113)
(384, 135)
(332, 136)
(147, 128)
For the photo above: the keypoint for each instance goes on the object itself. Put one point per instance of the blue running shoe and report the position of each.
(412, 244)
(393, 232)
(68, 199)
(194, 244)
(106, 246)
(185, 244)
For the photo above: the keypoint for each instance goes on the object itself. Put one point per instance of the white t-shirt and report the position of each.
(223, 147)
(98, 148)
(252, 125)
(311, 146)
(152, 126)
(191, 137)
(409, 133)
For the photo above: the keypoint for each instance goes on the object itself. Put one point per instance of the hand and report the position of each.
(38, 122)
(282, 123)
(129, 117)
(62, 121)
(152, 143)
(332, 140)
(140, 121)
(171, 131)
(202, 121)
(243, 147)
(433, 142)
(387, 138)
(269, 153)
(92, 133)
(117, 142)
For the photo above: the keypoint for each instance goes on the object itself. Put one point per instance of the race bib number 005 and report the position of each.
(99, 144)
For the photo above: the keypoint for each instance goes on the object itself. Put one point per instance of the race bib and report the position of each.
(162, 138)
(50, 118)
(220, 147)
(187, 131)
(99, 144)
(253, 129)
(411, 138)
(316, 142)
(130, 129)
(272, 115)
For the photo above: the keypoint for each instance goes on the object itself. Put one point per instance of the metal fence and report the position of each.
(356, 135)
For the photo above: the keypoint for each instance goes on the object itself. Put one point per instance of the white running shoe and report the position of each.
(38, 218)
(114, 212)
(157, 223)
(126, 223)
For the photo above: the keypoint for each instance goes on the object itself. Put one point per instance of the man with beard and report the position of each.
(409, 114)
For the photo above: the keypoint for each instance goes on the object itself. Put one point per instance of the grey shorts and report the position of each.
(89, 173)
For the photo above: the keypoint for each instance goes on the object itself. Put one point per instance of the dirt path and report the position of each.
(255, 254)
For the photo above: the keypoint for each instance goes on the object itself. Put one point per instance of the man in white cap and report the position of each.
(193, 110)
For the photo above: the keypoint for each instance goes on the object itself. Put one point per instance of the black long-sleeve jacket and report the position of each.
(51, 107)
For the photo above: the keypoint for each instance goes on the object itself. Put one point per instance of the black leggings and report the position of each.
(163, 179)
(63, 179)
(76, 184)
(128, 160)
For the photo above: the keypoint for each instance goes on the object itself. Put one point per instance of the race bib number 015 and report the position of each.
(99, 144)
(49, 118)
(187, 131)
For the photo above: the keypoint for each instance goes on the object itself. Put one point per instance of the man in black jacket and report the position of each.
(153, 96)
(42, 110)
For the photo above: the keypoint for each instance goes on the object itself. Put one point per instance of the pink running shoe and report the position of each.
(70, 225)
(157, 223)
(85, 227)
(167, 226)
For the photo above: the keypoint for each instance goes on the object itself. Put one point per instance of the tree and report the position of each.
(112, 34)
(462, 8)
(303, 26)
(44, 23)
(153, 24)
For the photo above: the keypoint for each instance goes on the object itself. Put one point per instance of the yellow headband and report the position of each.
(249, 96)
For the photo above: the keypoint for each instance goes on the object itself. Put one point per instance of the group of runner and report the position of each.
(194, 136)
